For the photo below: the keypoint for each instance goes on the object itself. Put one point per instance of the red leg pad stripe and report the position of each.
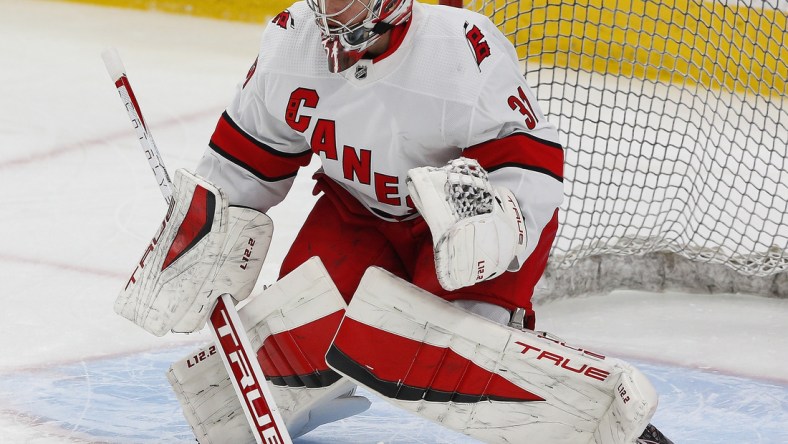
(297, 357)
(402, 368)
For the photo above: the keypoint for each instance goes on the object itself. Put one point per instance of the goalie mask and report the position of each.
(350, 27)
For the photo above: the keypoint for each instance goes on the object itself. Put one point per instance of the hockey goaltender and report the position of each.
(439, 186)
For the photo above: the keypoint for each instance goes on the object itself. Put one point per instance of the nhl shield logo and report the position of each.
(361, 72)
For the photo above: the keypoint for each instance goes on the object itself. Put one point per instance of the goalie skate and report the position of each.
(652, 436)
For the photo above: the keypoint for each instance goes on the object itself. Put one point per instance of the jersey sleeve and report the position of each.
(511, 138)
(253, 156)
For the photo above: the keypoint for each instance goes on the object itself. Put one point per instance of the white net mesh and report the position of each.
(674, 118)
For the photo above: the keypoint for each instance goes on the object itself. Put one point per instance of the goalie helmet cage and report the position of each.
(673, 115)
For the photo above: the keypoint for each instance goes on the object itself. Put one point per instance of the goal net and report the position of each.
(674, 119)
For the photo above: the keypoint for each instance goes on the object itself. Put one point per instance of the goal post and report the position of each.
(674, 118)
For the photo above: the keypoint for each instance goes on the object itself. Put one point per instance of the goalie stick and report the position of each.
(233, 343)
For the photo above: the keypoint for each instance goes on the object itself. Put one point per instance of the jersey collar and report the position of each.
(397, 36)
(367, 71)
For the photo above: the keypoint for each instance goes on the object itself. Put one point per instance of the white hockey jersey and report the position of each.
(449, 85)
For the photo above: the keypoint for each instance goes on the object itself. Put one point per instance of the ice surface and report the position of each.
(127, 399)
(79, 204)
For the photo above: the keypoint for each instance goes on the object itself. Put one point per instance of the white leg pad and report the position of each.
(489, 381)
(290, 325)
(632, 408)
(208, 399)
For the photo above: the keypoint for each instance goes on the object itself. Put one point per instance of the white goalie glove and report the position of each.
(203, 249)
(477, 229)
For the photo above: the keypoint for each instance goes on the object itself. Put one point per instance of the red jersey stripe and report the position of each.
(522, 151)
(268, 164)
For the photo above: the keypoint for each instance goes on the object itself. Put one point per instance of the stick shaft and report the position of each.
(237, 354)
(118, 73)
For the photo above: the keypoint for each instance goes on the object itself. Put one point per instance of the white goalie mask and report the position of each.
(362, 23)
